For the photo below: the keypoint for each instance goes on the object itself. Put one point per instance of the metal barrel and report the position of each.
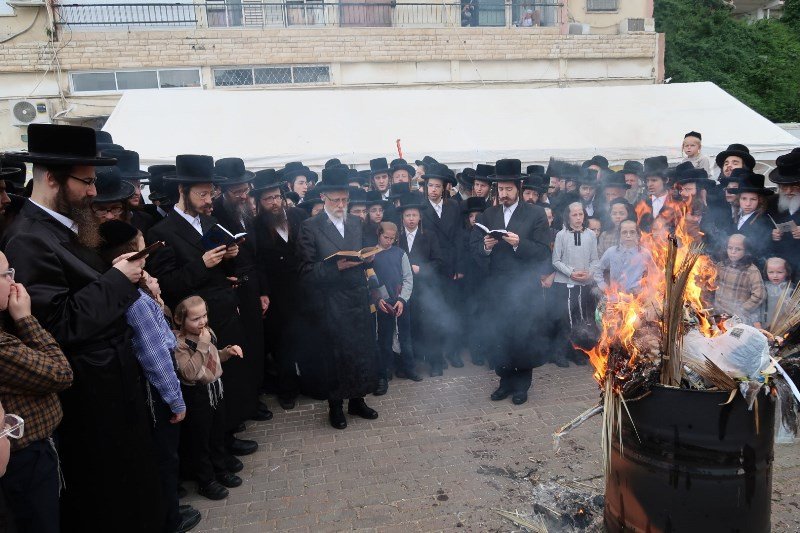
(696, 465)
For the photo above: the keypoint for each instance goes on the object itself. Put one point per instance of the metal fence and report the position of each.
(308, 13)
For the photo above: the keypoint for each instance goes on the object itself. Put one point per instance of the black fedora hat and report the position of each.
(534, 169)
(738, 150)
(54, 144)
(102, 147)
(115, 233)
(158, 191)
(13, 172)
(358, 196)
(632, 167)
(379, 165)
(655, 166)
(410, 201)
(694, 175)
(232, 169)
(588, 176)
(482, 173)
(401, 164)
(508, 170)
(311, 199)
(194, 169)
(474, 205)
(111, 187)
(398, 190)
(425, 161)
(736, 175)
(264, 180)
(103, 137)
(597, 160)
(751, 182)
(332, 162)
(615, 180)
(375, 198)
(441, 172)
(535, 182)
(127, 163)
(295, 169)
(334, 179)
(787, 168)
(362, 176)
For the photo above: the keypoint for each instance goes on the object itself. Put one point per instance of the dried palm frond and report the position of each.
(709, 371)
(787, 311)
(537, 524)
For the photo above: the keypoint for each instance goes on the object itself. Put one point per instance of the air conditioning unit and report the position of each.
(634, 25)
(578, 29)
(24, 112)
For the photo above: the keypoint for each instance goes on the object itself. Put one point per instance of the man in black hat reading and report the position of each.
(104, 436)
(341, 300)
(512, 263)
(784, 208)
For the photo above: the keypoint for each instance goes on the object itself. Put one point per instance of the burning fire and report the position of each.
(627, 316)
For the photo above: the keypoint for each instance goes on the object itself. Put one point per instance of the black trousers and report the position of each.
(166, 437)
(280, 334)
(515, 379)
(30, 487)
(202, 440)
(386, 326)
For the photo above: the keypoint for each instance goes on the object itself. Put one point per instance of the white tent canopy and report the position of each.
(460, 127)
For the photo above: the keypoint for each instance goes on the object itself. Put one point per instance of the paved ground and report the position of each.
(440, 457)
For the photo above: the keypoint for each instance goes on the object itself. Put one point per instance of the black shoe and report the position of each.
(226, 479)
(286, 403)
(500, 394)
(241, 427)
(262, 413)
(561, 362)
(455, 360)
(519, 398)
(358, 407)
(182, 493)
(336, 417)
(190, 517)
(213, 491)
(436, 370)
(382, 388)
(233, 465)
(477, 361)
(242, 447)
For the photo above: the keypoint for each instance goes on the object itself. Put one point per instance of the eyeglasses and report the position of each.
(202, 194)
(239, 192)
(13, 426)
(273, 198)
(86, 181)
(8, 274)
(341, 201)
(103, 211)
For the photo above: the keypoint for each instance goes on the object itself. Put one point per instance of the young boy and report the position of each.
(396, 279)
(778, 275)
(595, 226)
(692, 143)
(626, 262)
(740, 289)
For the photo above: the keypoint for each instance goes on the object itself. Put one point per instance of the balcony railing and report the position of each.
(310, 13)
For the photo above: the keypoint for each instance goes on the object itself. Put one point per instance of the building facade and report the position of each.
(71, 63)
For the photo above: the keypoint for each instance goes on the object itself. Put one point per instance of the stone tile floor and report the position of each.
(441, 457)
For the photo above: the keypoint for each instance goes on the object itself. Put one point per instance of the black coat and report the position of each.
(341, 306)
(181, 272)
(788, 247)
(105, 433)
(141, 220)
(758, 231)
(448, 230)
(513, 282)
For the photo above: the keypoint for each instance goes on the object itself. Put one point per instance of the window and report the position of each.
(243, 77)
(125, 80)
(601, 5)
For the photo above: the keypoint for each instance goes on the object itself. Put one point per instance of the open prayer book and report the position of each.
(356, 256)
(496, 233)
(217, 236)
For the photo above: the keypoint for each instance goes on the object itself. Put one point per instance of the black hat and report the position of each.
(694, 134)
(311, 199)
(53, 144)
(334, 179)
(535, 182)
(598, 160)
(466, 176)
(632, 167)
(588, 176)
(102, 147)
(296, 168)
(358, 196)
(751, 182)
(361, 176)
(232, 169)
(656, 166)
(101, 136)
(439, 171)
(375, 198)
(128, 164)
(738, 150)
(158, 191)
(482, 173)
(13, 172)
(508, 170)
(410, 201)
(263, 180)
(332, 162)
(474, 205)
(293, 197)
(111, 187)
(534, 169)
(736, 175)
(398, 190)
(401, 164)
(694, 175)
(193, 169)
(678, 171)
(379, 166)
(116, 232)
(617, 179)
(425, 161)
(787, 168)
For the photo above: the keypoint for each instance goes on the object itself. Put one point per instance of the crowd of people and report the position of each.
(139, 337)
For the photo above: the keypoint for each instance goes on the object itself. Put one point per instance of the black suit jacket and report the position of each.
(426, 254)
(758, 231)
(277, 261)
(319, 239)
(448, 230)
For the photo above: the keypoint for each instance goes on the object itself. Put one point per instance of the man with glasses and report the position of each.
(128, 166)
(32, 371)
(104, 436)
(338, 288)
(784, 208)
(110, 203)
(185, 268)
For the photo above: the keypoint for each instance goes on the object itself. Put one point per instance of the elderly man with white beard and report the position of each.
(784, 208)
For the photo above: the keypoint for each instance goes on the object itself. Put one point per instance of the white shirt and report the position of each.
(338, 222)
(658, 203)
(589, 208)
(743, 219)
(410, 235)
(194, 221)
(161, 211)
(437, 208)
(68, 222)
(508, 211)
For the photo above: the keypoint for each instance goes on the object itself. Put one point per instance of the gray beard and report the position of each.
(786, 203)
(239, 212)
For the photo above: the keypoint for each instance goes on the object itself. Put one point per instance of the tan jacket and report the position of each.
(192, 355)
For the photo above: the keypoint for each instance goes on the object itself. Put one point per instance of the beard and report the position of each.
(272, 220)
(240, 211)
(788, 203)
(87, 223)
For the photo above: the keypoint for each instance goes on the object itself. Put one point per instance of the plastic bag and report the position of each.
(742, 352)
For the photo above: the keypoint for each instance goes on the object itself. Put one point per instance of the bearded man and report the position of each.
(104, 437)
(784, 208)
